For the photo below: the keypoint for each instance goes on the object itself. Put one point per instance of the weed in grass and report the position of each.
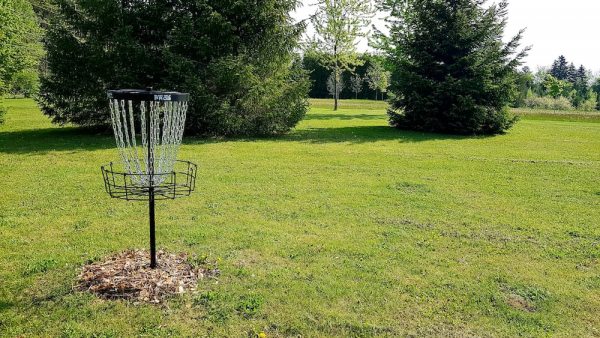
(249, 304)
(413, 188)
(82, 224)
(194, 239)
(207, 298)
(40, 267)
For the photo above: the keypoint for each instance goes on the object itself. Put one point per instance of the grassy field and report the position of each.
(342, 228)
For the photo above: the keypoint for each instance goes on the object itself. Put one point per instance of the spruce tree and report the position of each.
(562, 70)
(572, 73)
(453, 74)
(582, 73)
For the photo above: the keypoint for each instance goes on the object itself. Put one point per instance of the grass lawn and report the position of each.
(345, 227)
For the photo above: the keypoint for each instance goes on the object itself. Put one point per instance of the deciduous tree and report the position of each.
(338, 24)
(20, 43)
(356, 84)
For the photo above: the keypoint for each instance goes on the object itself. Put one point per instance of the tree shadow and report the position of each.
(354, 135)
(86, 139)
(55, 139)
(345, 117)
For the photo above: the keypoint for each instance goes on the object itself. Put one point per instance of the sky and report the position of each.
(553, 28)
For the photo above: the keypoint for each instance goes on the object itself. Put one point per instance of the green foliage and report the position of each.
(356, 84)
(235, 58)
(249, 304)
(3, 110)
(452, 72)
(338, 23)
(319, 74)
(377, 78)
(589, 104)
(554, 86)
(41, 266)
(546, 102)
(25, 83)
(523, 84)
(20, 47)
(335, 84)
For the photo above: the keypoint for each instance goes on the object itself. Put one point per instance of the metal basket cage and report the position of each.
(175, 184)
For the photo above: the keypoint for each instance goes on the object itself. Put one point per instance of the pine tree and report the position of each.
(571, 73)
(560, 68)
(582, 73)
(452, 72)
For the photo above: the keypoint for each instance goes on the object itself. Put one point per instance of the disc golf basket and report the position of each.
(148, 127)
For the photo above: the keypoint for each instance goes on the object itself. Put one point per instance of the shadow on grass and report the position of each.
(5, 305)
(355, 135)
(55, 139)
(84, 139)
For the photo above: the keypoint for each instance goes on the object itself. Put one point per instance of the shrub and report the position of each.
(235, 58)
(546, 102)
(3, 110)
(561, 103)
(25, 83)
(589, 104)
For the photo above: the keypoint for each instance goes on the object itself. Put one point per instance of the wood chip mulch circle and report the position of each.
(128, 275)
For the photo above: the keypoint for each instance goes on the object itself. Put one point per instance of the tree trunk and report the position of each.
(375, 94)
(335, 95)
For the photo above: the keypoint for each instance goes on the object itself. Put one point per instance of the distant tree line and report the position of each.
(366, 82)
(561, 86)
(441, 67)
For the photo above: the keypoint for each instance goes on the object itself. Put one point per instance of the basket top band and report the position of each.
(146, 95)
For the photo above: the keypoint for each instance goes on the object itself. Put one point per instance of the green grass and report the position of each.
(343, 228)
(557, 115)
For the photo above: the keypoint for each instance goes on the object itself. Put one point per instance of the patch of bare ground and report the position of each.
(519, 303)
(128, 275)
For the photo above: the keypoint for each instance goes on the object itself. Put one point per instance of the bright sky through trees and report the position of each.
(554, 27)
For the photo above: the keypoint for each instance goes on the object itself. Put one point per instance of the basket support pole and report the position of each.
(152, 237)
(151, 187)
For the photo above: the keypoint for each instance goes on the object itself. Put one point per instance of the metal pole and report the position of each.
(151, 190)
(152, 237)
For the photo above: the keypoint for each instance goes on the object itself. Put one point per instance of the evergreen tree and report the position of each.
(234, 57)
(582, 74)
(452, 72)
(560, 68)
(571, 73)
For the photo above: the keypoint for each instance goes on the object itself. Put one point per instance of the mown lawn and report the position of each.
(342, 228)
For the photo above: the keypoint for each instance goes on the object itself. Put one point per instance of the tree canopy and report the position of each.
(21, 48)
(235, 58)
(453, 74)
(338, 23)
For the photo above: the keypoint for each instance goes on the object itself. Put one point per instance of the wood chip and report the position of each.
(128, 275)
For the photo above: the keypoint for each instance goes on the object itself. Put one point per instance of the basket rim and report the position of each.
(147, 95)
